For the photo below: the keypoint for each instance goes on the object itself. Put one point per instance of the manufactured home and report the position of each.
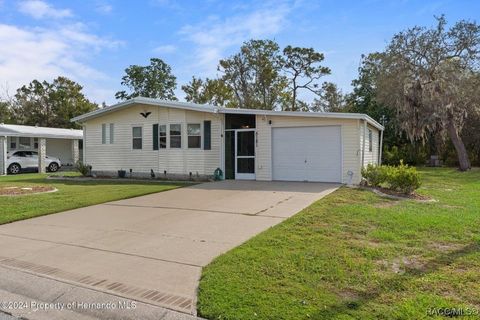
(181, 140)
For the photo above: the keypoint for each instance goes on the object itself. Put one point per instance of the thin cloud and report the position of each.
(103, 7)
(165, 49)
(43, 54)
(40, 9)
(215, 36)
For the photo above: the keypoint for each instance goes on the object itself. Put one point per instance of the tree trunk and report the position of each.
(459, 147)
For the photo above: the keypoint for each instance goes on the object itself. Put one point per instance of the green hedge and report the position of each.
(401, 178)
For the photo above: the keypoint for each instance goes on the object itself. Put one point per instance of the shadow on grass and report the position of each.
(79, 182)
(398, 282)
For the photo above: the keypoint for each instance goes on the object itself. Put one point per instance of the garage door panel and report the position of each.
(307, 153)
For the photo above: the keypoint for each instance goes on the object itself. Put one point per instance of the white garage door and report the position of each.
(307, 154)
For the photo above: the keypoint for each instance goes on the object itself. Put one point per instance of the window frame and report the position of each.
(13, 143)
(370, 140)
(24, 146)
(175, 135)
(111, 133)
(133, 137)
(199, 135)
(104, 133)
(161, 137)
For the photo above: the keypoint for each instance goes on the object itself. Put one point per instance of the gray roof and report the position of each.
(214, 109)
(14, 130)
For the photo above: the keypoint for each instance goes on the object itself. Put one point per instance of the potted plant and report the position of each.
(122, 173)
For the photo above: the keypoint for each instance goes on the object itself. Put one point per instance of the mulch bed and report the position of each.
(398, 195)
(24, 190)
(414, 196)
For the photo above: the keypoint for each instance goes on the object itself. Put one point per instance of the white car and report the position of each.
(28, 160)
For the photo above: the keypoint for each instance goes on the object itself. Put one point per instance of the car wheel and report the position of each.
(53, 167)
(14, 168)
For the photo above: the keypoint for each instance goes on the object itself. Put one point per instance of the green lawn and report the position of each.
(354, 255)
(70, 195)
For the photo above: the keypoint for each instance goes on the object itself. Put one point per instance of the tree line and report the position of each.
(424, 86)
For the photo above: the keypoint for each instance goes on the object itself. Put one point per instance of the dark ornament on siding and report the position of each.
(145, 114)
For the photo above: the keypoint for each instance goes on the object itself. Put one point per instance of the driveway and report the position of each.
(151, 248)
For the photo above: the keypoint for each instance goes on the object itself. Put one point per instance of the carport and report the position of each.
(61, 143)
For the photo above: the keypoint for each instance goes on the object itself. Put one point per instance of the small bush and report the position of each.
(84, 169)
(404, 179)
(374, 175)
(401, 178)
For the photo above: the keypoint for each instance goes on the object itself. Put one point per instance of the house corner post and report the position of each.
(3, 156)
(75, 151)
(42, 154)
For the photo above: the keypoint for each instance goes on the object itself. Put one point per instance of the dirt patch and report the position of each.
(25, 190)
(403, 264)
(444, 247)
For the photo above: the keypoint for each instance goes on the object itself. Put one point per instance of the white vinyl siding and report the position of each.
(371, 155)
(175, 161)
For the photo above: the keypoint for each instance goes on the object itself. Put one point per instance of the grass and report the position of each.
(355, 255)
(70, 195)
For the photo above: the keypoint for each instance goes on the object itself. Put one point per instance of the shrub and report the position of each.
(84, 169)
(404, 179)
(374, 175)
(401, 178)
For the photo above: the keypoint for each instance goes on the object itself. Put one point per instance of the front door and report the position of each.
(245, 154)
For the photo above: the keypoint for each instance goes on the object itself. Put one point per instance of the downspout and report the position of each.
(381, 148)
(364, 138)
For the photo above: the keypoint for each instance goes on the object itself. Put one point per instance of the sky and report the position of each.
(93, 41)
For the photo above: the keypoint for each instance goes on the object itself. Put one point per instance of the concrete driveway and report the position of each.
(151, 248)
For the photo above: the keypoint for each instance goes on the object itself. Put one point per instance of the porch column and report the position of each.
(3, 156)
(75, 151)
(42, 153)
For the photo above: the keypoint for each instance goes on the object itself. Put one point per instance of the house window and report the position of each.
(194, 137)
(162, 136)
(175, 136)
(370, 140)
(24, 142)
(111, 133)
(13, 143)
(35, 143)
(137, 137)
(104, 133)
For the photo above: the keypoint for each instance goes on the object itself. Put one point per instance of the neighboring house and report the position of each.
(64, 144)
(178, 140)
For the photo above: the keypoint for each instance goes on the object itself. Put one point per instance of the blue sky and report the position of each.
(93, 41)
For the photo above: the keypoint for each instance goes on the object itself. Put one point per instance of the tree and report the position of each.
(5, 112)
(303, 66)
(254, 76)
(50, 104)
(210, 91)
(429, 77)
(153, 81)
(331, 99)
